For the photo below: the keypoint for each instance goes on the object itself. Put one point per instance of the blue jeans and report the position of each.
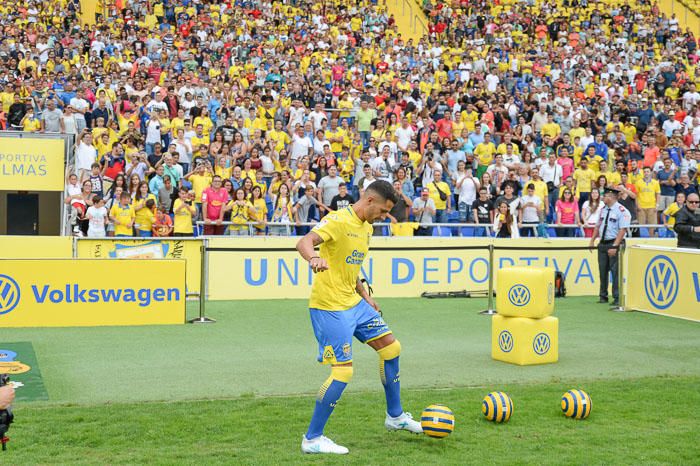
(150, 148)
(364, 137)
(465, 212)
(145, 233)
(441, 216)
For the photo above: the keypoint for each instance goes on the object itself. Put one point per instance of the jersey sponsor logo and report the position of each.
(347, 350)
(355, 258)
(661, 282)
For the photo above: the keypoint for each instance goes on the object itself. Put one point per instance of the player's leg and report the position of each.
(334, 334)
(372, 329)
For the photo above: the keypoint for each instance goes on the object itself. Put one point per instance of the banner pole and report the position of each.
(202, 319)
(489, 311)
(620, 280)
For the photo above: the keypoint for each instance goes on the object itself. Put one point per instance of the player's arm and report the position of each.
(306, 247)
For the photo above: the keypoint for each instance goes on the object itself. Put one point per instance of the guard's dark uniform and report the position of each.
(611, 221)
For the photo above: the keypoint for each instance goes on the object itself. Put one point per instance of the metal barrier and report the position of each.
(439, 229)
(492, 247)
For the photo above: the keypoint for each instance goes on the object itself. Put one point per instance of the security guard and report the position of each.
(611, 229)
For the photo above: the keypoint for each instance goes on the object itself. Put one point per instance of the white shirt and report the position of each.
(316, 118)
(97, 222)
(300, 146)
(85, 156)
(404, 136)
(79, 104)
(551, 173)
(467, 192)
(530, 214)
(153, 132)
(592, 220)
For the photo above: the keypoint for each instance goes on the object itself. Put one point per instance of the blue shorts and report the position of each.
(334, 331)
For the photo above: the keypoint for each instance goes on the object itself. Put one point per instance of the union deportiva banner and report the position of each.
(32, 164)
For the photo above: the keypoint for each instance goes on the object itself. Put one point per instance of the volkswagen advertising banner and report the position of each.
(91, 292)
(663, 281)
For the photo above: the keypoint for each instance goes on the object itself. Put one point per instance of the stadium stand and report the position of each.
(286, 102)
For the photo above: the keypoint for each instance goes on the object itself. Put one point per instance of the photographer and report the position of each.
(7, 396)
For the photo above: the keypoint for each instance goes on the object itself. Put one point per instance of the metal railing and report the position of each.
(467, 230)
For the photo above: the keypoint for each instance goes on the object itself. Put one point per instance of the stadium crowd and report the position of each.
(511, 114)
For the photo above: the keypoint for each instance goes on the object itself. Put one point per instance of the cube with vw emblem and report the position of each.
(525, 341)
(525, 291)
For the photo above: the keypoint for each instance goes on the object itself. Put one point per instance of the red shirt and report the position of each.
(215, 201)
(444, 128)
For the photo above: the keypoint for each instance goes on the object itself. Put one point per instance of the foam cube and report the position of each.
(524, 341)
(525, 292)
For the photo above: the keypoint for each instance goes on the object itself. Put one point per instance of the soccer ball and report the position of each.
(437, 421)
(497, 407)
(576, 404)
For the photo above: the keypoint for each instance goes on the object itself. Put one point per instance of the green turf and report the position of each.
(635, 421)
(104, 385)
(268, 347)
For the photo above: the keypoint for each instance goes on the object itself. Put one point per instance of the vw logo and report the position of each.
(661, 282)
(9, 294)
(519, 295)
(541, 343)
(505, 341)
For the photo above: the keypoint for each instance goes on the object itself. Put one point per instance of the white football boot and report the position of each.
(403, 422)
(322, 444)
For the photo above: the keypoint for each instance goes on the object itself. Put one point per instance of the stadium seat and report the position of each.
(442, 231)
(466, 231)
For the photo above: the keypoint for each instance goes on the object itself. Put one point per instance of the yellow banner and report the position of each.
(68, 292)
(32, 164)
(148, 249)
(664, 281)
(270, 268)
(36, 247)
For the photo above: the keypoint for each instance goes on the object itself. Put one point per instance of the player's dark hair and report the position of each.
(384, 189)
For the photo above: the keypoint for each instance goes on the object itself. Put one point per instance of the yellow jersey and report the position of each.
(484, 153)
(183, 218)
(646, 193)
(144, 216)
(345, 246)
(583, 179)
(123, 215)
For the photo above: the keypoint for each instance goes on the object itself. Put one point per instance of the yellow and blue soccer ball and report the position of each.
(497, 407)
(437, 421)
(576, 404)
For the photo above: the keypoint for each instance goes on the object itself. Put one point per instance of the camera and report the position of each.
(6, 416)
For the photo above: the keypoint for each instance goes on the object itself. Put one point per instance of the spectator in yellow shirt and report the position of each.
(441, 195)
(669, 216)
(484, 153)
(551, 129)
(584, 178)
(183, 211)
(122, 215)
(648, 193)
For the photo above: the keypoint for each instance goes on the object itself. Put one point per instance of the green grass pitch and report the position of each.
(241, 391)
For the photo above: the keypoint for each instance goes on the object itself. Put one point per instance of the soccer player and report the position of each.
(341, 308)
